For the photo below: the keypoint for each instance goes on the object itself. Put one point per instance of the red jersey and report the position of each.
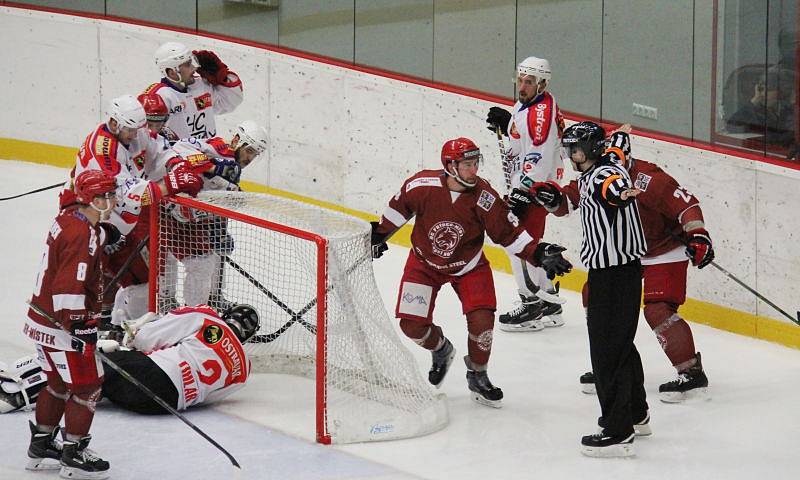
(448, 232)
(69, 283)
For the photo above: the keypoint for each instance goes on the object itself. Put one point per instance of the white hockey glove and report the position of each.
(132, 328)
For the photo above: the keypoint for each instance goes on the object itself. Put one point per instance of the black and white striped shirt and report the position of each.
(612, 229)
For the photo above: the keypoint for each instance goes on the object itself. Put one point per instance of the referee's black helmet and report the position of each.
(588, 136)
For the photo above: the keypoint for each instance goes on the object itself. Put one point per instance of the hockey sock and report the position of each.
(427, 336)
(79, 411)
(672, 332)
(50, 404)
(479, 344)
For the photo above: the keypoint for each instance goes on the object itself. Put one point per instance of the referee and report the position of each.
(612, 244)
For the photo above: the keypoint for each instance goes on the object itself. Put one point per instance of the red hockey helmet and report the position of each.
(154, 107)
(459, 149)
(91, 183)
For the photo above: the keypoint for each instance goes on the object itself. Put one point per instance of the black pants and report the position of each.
(612, 317)
(130, 397)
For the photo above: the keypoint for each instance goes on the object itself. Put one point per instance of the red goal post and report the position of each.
(308, 272)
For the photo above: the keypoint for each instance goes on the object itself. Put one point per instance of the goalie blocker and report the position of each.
(20, 384)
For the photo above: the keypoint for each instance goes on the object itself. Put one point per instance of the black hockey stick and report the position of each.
(78, 342)
(733, 277)
(34, 191)
(266, 338)
(125, 266)
(296, 316)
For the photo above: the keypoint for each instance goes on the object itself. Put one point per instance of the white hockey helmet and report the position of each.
(172, 55)
(538, 67)
(253, 135)
(127, 111)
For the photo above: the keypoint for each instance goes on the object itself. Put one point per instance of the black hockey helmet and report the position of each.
(588, 136)
(243, 320)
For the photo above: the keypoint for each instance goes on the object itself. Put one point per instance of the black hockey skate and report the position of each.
(525, 318)
(552, 313)
(442, 358)
(600, 445)
(44, 450)
(77, 461)
(587, 383)
(483, 391)
(691, 383)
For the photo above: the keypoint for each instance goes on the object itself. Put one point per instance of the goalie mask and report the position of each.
(243, 320)
(20, 385)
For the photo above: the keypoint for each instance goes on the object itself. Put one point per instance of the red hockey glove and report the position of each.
(182, 179)
(699, 248)
(211, 67)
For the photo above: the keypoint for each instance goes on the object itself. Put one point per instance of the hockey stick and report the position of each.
(506, 163)
(125, 266)
(34, 191)
(733, 277)
(296, 316)
(266, 338)
(124, 374)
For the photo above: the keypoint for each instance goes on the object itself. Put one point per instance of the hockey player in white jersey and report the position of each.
(533, 129)
(191, 355)
(196, 87)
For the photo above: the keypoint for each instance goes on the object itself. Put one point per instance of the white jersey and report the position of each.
(131, 166)
(192, 112)
(198, 351)
(196, 151)
(535, 141)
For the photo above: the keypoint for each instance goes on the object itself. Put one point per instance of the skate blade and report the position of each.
(554, 320)
(638, 430)
(38, 464)
(613, 451)
(78, 474)
(692, 396)
(477, 398)
(529, 326)
(588, 388)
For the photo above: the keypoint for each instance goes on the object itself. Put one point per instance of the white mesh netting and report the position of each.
(373, 388)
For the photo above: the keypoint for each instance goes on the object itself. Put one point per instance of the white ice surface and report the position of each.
(748, 429)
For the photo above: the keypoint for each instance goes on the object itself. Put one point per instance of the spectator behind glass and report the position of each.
(770, 111)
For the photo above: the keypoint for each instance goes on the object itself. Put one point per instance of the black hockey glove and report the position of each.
(519, 200)
(546, 194)
(377, 241)
(115, 240)
(84, 333)
(498, 118)
(548, 256)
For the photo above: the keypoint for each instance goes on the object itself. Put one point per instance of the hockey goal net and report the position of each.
(308, 272)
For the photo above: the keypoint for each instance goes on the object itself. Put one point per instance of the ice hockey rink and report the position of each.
(749, 428)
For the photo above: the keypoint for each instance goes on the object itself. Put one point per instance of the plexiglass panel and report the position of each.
(241, 19)
(324, 27)
(182, 13)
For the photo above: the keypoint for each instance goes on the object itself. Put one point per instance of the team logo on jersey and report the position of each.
(531, 159)
(642, 181)
(102, 147)
(423, 182)
(138, 160)
(203, 101)
(196, 159)
(212, 334)
(486, 200)
(444, 238)
(513, 131)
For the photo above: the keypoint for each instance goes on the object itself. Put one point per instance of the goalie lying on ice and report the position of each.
(194, 356)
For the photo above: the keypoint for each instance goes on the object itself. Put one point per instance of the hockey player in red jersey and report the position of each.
(674, 229)
(454, 208)
(68, 288)
(533, 128)
(196, 86)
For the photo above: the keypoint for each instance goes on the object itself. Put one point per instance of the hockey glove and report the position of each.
(519, 200)
(547, 194)
(498, 118)
(84, 333)
(377, 241)
(548, 256)
(222, 245)
(211, 67)
(699, 248)
(183, 180)
(115, 240)
(229, 170)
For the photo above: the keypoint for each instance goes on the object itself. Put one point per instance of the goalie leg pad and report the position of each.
(20, 384)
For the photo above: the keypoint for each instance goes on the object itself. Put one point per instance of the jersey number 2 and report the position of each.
(683, 194)
(214, 370)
